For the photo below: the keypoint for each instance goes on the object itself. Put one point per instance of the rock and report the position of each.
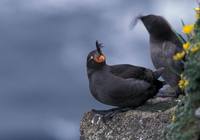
(197, 113)
(144, 123)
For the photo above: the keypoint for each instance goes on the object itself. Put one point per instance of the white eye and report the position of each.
(91, 57)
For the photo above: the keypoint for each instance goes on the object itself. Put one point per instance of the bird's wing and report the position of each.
(129, 71)
(169, 49)
(131, 88)
(139, 86)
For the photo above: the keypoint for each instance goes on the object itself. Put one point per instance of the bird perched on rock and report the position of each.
(124, 86)
(164, 44)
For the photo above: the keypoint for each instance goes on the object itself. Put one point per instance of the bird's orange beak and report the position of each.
(99, 59)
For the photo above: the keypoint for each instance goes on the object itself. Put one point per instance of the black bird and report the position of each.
(123, 86)
(164, 44)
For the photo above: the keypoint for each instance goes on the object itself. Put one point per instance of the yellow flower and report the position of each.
(173, 118)
(197, 16)
(186, 46)
(195, 49)
(187, 29)
(183, 83)
(197, 12)
(197, 9)
(186, 83)
(178, 56)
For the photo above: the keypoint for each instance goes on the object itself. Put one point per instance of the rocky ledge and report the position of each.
(147, 122)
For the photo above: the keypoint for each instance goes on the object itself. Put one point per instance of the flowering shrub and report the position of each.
(185, 126)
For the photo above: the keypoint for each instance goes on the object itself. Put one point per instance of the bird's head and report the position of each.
(157, 26)
(96, 59)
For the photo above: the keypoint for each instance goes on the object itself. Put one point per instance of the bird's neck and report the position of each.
(91, 71)
(161, 37)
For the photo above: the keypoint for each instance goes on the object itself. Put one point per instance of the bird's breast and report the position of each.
(100, 87)
(157, 56)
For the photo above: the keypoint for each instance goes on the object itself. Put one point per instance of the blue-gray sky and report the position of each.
(43, 49)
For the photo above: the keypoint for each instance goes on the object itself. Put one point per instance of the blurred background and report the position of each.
(43, 49)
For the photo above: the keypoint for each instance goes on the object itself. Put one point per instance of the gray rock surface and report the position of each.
(197, 112)
(144, 123)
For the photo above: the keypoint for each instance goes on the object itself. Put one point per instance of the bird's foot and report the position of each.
(168, 91)
(105, 115)
(175, 95)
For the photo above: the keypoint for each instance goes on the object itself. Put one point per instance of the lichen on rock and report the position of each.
(143, 123)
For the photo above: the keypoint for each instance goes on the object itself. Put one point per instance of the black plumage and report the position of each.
(120, 85)
(164, 44)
